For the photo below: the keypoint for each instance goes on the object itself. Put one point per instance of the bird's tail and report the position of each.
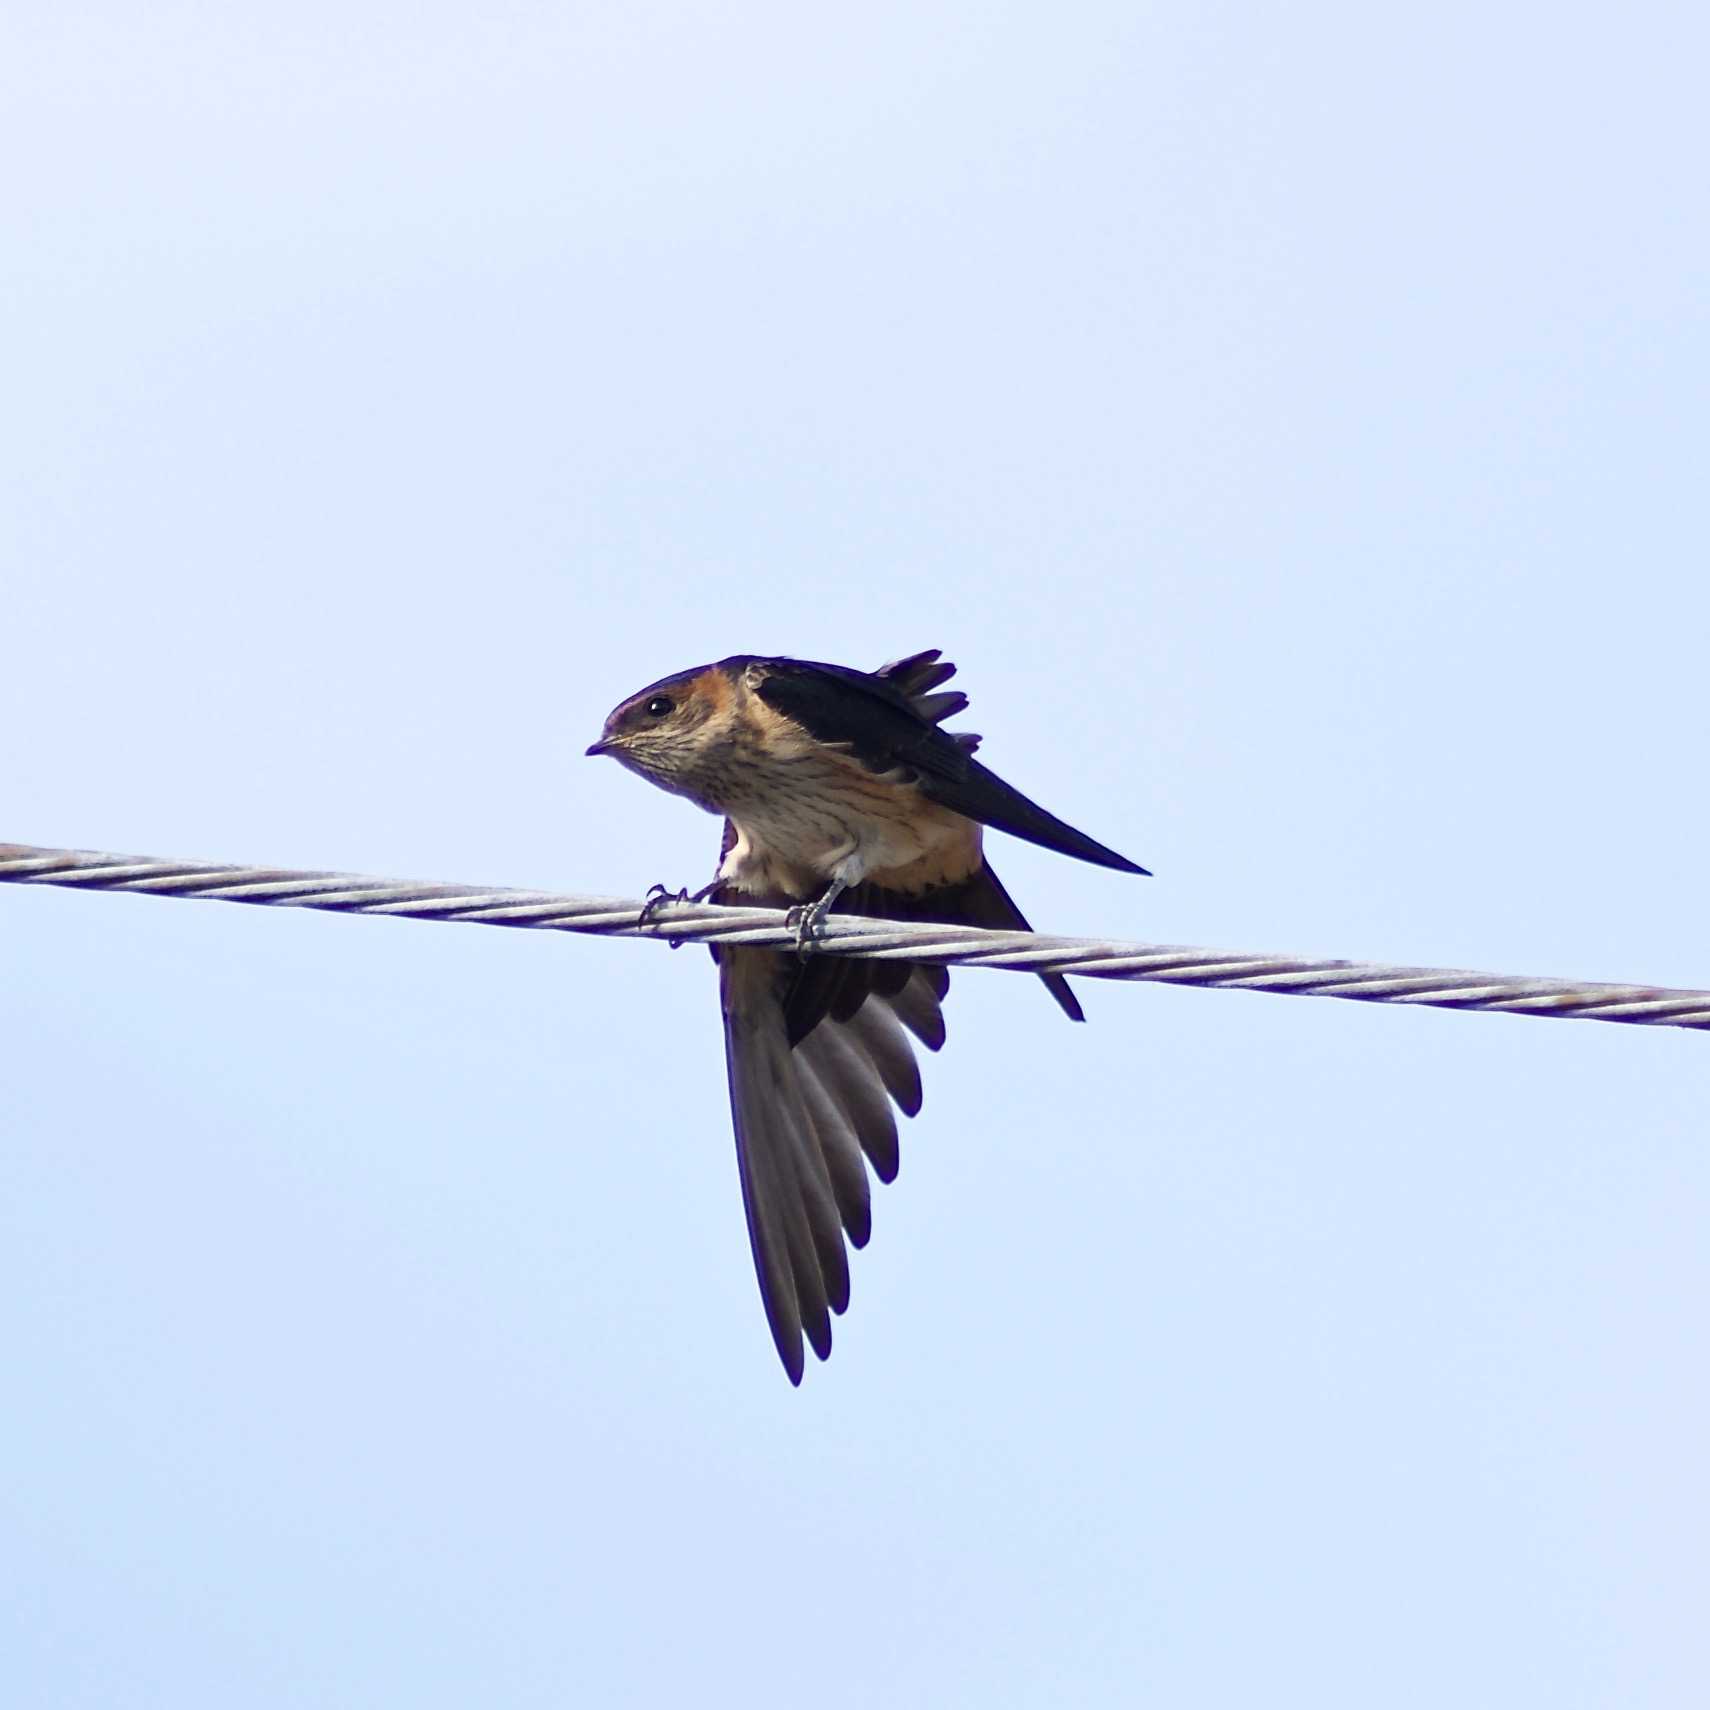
(838, 985)
(982, 901)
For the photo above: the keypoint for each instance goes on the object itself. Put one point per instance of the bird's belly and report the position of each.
(803, 822)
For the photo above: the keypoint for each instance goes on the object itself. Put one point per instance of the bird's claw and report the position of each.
(658, 896)
(806, 918)
(662, 896)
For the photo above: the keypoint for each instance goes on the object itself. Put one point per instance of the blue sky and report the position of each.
(1292, 421)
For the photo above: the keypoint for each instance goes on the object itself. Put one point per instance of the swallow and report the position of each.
(839, 789)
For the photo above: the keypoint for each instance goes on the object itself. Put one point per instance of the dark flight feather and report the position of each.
(818, 1052)
(809, 1118)
(876, 718)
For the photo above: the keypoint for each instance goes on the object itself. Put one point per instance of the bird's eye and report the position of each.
(659, 706)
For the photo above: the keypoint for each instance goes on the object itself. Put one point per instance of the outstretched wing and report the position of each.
(883, 724)
(810, 1117)
(817, 1053)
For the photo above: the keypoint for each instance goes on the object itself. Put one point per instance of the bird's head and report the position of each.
(668, 731)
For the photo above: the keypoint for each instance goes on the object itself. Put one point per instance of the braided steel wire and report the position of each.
(849, 935)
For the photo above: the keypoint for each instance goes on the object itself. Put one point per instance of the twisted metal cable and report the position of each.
(849, 935)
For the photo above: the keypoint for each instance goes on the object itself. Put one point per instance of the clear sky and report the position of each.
(1292, 419)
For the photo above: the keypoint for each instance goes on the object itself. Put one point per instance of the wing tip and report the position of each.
(790, 1355)
(1100, 856)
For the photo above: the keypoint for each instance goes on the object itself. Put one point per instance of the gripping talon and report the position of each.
(660, 896)
(807, 918)
(800, 916)
(657, 897)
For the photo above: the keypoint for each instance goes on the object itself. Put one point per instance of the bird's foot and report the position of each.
(658, 896)
(809, 918)
(662, 896)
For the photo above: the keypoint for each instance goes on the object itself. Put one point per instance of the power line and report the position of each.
(850, 935)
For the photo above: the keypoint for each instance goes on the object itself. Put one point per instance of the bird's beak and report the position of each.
(600, 747)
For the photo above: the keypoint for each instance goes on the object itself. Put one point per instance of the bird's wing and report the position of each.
(889, 722)
(817, 1053)
(809, 1118)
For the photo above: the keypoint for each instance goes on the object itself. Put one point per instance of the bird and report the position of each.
(839, 789)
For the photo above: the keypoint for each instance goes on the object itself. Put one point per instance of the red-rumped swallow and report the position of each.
(837, 787)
